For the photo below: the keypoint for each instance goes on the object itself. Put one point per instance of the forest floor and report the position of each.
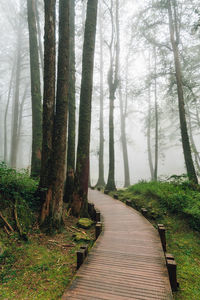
(182, 240)
(43, 267)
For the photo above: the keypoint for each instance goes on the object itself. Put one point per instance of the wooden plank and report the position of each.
(127, 261)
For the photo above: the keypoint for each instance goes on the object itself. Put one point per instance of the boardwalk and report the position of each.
(127, 261)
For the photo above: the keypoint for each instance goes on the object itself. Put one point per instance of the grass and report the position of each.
(41, 268)
(176, 205)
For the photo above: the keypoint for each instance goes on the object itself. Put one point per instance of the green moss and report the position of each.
(85, 223)
(78, 237)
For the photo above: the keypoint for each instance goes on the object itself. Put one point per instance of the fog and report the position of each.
(144, 42)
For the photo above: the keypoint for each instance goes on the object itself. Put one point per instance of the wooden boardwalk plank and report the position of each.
(127, 261)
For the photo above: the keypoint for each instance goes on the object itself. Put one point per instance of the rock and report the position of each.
(85, 223)
(78, 236)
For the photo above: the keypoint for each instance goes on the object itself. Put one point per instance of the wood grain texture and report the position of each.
(127, 261)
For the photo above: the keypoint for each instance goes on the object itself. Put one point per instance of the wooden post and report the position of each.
(144, 211)
(169, 256)
(80, 257)
(85, 248)
(161, 230)
(171, 266)
(128, 202)
(98, 229)
(98, 216)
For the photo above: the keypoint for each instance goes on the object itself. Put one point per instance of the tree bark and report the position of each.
(79, 204)
(183, 124)
(54, 200)
(72, 109)
(35, 91)
(39, 36)
(101, 182)
(49, 98)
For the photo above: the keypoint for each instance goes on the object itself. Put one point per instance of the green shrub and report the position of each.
(14, 184)
(18, 190)
(177, 196)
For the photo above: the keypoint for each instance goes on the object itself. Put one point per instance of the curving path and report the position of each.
(127, 261)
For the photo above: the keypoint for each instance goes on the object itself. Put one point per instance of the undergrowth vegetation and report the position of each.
(41, 266)
(176, 204)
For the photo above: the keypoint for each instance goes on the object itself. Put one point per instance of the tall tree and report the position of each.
(175, 39)
(6, 114)
(155, 174)
(112, 84)
(35, 90)
(123, 107)
(79, 204)
(39, 35)
(53, 205)
(72, 109)
(15, 121)
(101, 182)
(49, 95)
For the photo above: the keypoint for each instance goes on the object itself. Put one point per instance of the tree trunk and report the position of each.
(193, 145)
(72, 110)
(183, 124)
(155, 175)
(124, 141)
(111, 174)
(6, 114)
(122, 112)
(21, 107)
(39, 36)
(79, 204)
(54, 200)
(48, 104)
(112, 83)
(14, 131)
(101, 182)
(149, 135)
(35, 91)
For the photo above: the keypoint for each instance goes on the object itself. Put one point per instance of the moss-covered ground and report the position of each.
(169, 204)
(43, 267)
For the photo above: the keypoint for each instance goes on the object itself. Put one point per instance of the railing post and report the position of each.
(98, 216)
(161, 230)
(171, 266)
(85, 248)
(128, 202)
(80, 257)
(144, 211)
(98, 229)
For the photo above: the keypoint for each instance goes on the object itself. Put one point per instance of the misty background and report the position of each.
(144, 38)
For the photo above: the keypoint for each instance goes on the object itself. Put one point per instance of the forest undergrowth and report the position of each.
(176, 204)
(34, 265)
